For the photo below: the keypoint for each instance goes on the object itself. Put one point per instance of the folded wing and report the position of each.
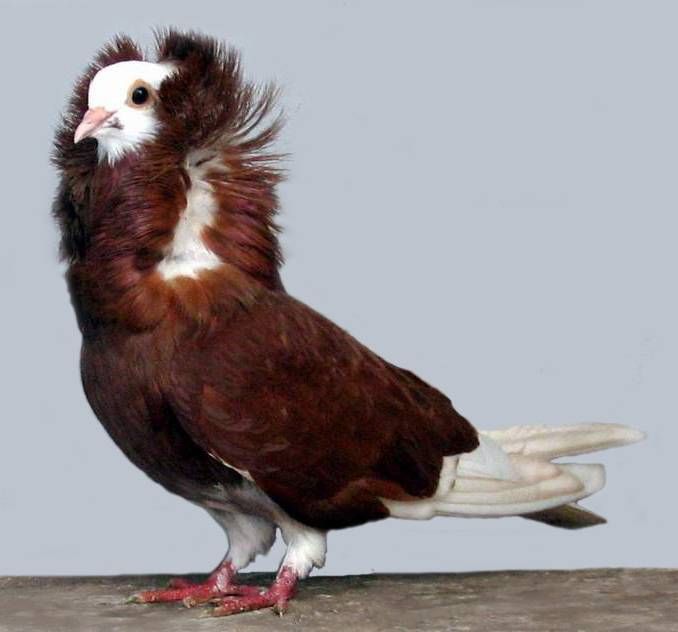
(321, 424)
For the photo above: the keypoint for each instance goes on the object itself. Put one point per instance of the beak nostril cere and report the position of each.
(93, 120)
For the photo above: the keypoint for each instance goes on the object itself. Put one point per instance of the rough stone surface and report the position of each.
(589, 601)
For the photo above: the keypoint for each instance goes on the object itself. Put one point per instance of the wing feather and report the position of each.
(323, 425)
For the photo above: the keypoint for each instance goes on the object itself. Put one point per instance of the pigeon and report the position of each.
(217, 383)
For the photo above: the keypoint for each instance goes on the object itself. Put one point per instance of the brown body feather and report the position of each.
(190, 373)
(323, 425)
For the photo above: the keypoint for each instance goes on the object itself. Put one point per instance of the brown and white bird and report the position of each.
(216, 382)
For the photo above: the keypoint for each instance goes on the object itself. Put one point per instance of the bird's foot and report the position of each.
(219, 584)
(277, 597)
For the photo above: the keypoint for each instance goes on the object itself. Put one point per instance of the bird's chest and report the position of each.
(122, 379)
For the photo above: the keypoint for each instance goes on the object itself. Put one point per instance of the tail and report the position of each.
(511, 474)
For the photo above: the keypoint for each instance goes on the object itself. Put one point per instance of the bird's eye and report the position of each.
(140, 95)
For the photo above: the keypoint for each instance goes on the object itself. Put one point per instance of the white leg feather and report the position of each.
(306, 547)
(248, 536)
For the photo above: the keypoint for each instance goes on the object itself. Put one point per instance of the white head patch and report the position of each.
(129, 124)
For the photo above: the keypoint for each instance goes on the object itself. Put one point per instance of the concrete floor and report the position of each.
(587, 601)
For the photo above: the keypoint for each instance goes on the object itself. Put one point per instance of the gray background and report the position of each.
(482, 192)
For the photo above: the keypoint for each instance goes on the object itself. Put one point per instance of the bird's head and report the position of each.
(121, 102)
(167, 186)
(191, 94)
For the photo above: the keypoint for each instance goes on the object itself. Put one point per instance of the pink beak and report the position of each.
(94, 118)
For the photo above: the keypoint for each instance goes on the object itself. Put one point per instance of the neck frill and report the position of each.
(118, 221)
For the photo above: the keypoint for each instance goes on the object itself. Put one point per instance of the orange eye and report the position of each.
(140, 94)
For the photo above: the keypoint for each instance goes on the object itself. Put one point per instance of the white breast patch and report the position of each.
(188, 254)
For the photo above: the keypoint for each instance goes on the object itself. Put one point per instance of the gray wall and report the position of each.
(482, 192)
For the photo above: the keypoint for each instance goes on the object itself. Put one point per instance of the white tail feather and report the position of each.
(551, 443)
(511, 473)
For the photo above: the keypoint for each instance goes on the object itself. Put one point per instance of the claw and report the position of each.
(280, 608)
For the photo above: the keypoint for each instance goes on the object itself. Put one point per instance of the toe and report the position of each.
(236, 605)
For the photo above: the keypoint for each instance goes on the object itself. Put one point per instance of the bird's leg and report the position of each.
(222, 581)
(277, 596)
(305, 549)
(248, 536)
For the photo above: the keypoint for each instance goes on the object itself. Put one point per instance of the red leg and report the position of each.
(277, 596)
(221, 582)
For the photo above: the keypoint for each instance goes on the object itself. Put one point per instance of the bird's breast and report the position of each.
(121, 378)
(188, 253)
